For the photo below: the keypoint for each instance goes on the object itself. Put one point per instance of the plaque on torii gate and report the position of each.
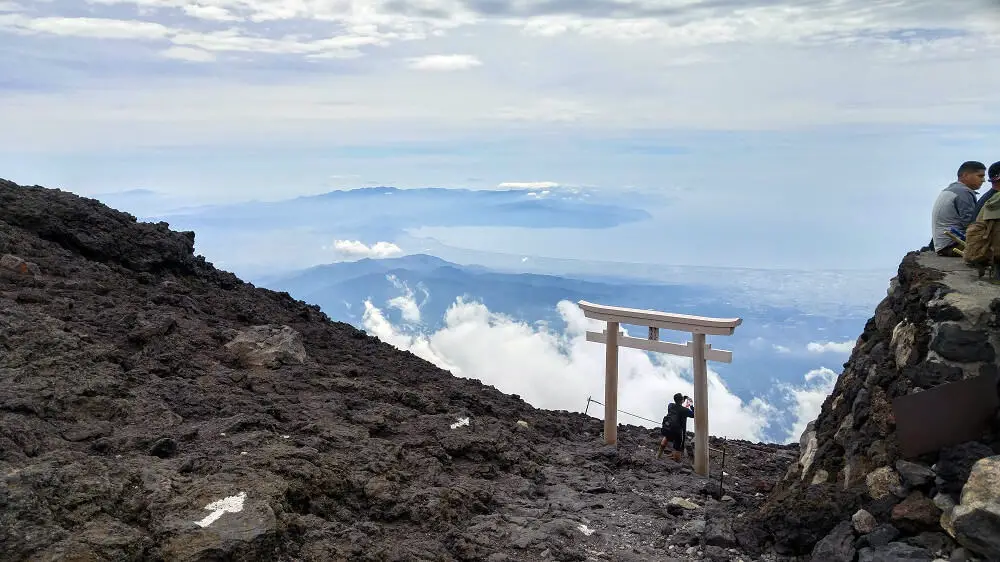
(699, 351)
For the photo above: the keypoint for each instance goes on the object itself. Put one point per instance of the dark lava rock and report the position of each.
(882, 535)
(915, 475)
(932, 373)
(965, 346)
(838, 546)
(955, 463)
(895, 552)
(163, 448)
(936, 542)
(719, 532)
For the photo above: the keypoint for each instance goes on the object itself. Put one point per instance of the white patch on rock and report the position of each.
(585, 530)
(462, 422)
(808, 446)
(683, 503)
(268, 346)
(232, 504)
(821, 477)
(903, 343)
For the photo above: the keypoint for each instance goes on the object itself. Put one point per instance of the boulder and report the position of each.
(960, 345)
(916, 513)
(915, 475)
(879, 536)
(863, 522)
(955, 463)
(895, 552)
(719, 532)
(882, 482)
(838, 546)
(267, 346)
(976, 519)
(13, 263)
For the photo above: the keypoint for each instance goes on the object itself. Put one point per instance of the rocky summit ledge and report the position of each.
(852, 495)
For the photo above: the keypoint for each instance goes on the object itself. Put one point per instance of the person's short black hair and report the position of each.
(994, 172)
(971, 167)
(678, 398)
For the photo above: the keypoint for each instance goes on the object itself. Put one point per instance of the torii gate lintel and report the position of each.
(699, 351)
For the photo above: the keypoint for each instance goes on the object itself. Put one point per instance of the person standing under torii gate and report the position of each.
(674, 428)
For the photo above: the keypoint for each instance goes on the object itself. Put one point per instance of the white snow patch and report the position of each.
(585, 529)
(460, 423)
(232, 504)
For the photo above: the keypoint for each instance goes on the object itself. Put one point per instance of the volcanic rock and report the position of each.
(937, 324)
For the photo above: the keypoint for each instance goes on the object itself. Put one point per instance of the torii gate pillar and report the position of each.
(697, 350)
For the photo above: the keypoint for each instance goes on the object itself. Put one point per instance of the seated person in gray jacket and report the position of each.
(955, 208)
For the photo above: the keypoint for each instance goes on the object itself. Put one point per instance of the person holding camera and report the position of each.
(674, 428)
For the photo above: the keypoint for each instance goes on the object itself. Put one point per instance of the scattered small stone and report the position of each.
(163, 448)
(864, 522)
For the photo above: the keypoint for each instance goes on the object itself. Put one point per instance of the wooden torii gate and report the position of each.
(698, 350)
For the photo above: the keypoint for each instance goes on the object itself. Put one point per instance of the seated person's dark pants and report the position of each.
(948, 251)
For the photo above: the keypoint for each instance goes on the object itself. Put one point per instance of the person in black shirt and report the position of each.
(674, 428)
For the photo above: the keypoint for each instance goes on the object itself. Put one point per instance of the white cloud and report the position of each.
(558, 371)
(809, 400)
(188, 54)
(355, 249)
(214, 13)
(406, 303)
(831, 347)
(445, 63)
(94, 28)
(781, 348)
(9, 6)
(527, 185)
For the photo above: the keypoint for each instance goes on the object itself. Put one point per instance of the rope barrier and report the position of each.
(589, 400)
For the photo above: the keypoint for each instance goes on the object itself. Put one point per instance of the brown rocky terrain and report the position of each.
(153, 407)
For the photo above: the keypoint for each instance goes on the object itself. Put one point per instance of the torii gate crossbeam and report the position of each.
(698, 350)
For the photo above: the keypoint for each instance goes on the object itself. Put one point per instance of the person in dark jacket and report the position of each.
(993, 176)
(674, 428)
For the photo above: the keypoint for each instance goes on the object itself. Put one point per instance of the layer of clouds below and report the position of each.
(560, 370)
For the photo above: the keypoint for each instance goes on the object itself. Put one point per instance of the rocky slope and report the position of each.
(155, 408)
(851, 495)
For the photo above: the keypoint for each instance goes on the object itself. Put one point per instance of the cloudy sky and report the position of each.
(836, 111)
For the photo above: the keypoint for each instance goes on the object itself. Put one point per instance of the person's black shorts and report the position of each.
(676, 440)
